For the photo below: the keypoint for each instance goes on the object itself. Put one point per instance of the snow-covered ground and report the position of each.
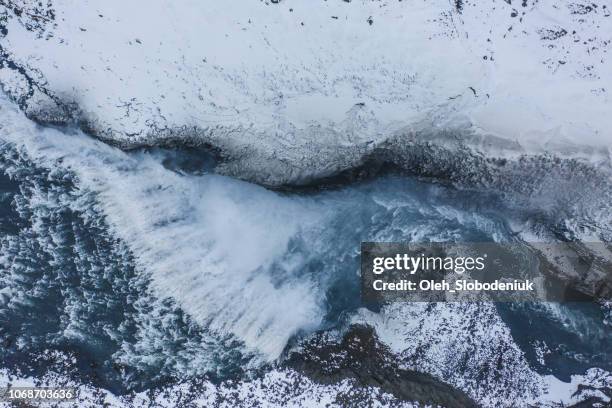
(288, 388)
(452, 340)
(279, 388)
(299, 89)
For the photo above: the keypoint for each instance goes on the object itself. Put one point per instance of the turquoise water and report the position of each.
(69, 283)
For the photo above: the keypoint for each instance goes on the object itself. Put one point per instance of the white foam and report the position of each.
(208, 242)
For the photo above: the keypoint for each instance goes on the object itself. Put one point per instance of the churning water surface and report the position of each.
(146, 266)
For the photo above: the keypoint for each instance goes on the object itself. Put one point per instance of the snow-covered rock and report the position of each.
(298, 90)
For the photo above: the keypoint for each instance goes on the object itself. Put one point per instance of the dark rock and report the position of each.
(362, 357)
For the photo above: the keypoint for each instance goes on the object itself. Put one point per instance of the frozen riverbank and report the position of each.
(293, 91)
